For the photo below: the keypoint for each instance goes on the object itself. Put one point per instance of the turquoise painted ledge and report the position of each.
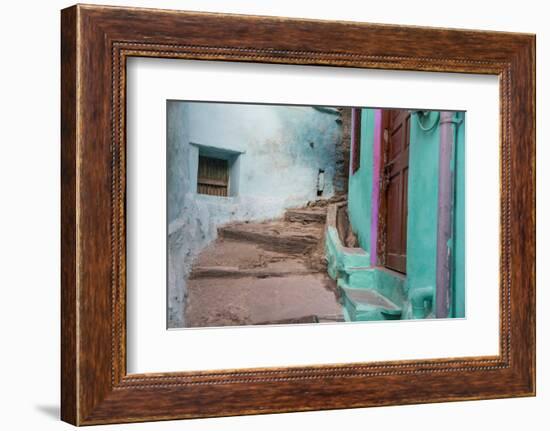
(367, 292)
(342, 259)
(388, 283)
(353, 266)
(361, 305)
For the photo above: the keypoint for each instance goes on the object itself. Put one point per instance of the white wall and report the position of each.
(282, 149)
(29, 228)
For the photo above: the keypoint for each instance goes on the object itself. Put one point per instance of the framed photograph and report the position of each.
(259, 216)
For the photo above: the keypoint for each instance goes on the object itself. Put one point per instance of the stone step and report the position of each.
(366, 304)
(230, 253)
(273, 300)
(312, 318)
(236, 272)
(314, 215)
(274, 236)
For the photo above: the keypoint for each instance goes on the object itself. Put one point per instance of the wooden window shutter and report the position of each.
(213, 176)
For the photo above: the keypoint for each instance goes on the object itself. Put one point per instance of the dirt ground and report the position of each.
(252, 301)
(263, 273)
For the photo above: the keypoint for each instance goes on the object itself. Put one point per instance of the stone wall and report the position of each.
(343, 152)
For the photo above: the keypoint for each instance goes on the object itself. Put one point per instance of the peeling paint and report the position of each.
(282, 150)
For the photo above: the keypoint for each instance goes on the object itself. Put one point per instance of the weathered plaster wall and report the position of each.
(282, 148)
(360, 184)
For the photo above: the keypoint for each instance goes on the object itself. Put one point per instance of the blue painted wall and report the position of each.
(282, 149)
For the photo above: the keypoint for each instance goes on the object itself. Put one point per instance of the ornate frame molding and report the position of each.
(96, 41)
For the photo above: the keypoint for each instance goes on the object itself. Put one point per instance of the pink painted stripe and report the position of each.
(375, 199)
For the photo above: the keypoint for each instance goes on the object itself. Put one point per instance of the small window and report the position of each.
(213, 176)
(355, 139)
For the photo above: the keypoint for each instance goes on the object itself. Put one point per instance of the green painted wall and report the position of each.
(422, 203)
(420, 281)
(340, 259)
(360, 183)
(459, 233)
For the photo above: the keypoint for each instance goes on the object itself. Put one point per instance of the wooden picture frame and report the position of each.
(95, 43)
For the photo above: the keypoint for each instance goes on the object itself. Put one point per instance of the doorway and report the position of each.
(394, 193)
